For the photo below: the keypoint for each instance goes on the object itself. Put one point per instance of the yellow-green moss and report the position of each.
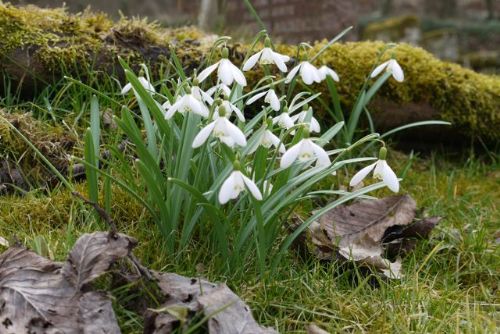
(471, 101)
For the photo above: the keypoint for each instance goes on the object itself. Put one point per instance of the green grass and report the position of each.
(450, 282)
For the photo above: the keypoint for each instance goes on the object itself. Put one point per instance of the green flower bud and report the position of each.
(382, 154)
(225, 52)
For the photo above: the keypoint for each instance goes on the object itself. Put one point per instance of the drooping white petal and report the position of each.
(225, 72)
(166, 105)
(146, 84)
(255, 97)
(359, 176)
(234, 132)
(379, 69)
(325, 70)
(250, 63)
(229, 141)
(389, 177)
(173, 109)
(126, 88)
(290, 155)
(231, 187)
(238, 76)
(206, 72)
(293, 73)
(252, 187)
(396, 70)
(322, 157)
(229, 106)
(307, 73)
(306, 150)
(314, 125)
(273, 100)
(203, 135)
(207, 98)
(284, 121)
(280, 61)
(194, 105)
(275, 141)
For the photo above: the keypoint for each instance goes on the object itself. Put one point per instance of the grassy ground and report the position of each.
(450, 282)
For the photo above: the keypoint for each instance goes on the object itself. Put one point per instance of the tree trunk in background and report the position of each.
(208, 14)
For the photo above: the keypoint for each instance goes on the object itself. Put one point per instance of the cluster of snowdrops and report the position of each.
(217, 152)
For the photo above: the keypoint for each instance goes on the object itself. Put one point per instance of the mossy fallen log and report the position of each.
(39, 46)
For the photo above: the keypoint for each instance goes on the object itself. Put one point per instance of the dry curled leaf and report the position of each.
(359, 231)
(41, 296)
(187, 297)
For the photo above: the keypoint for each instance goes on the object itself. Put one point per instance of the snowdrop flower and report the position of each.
(200, 95)
(144, 82)
(307, 71)
(230, 108)
(270, 97)
(268, 139)
(301, 117)
(392, 67)
(235, 184)
(305, 150)
(222, 129)
(226, 71)
(187, 103)
(226, 91)
(267, 56)
(325, 70)
(381, 171)
(284, 120)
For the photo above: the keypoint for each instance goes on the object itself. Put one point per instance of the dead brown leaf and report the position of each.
(188, 297)
(42, 296)
(359, 231)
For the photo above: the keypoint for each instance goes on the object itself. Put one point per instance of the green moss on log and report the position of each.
(56, 39)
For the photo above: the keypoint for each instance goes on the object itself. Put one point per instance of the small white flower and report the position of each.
(226, 91)
(307, 71)
(267, 56)
(227, 72)
(144, 82)
(270, 98)
(235, 184)
(202, 96)
(392, 67)
(381, 171)
(187, 103)
(268, 139)
(325, 70)
(224, 130)
(267, 187)
(313, 124)
(284, 121)
(305, 150)
(230, 108)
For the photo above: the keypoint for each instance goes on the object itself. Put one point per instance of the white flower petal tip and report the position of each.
(187, 103)
(227, 73)
(267, 56)
(270, 98)
(313, 124)
(382, 171)
(144, 83)
(284, 121)
(235, 184)
(326, 71)
(392, 67)
(224, 131)
(308, 73)
(305, 150)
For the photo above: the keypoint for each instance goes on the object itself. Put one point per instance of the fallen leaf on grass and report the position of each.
(360, 232)
(187, 297)
(314, 329)
(41, 296)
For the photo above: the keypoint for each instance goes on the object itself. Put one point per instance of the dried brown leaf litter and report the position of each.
(371, 232)
(38, 295)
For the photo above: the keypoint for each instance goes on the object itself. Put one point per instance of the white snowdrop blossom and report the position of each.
(225, 90)
(227, 72)
(325, 70)
(301, 117)
(284, 120)
(144, 82)
(202, 96)
(381, 171)
(305, 150)
(308, 72)
(222, 129)
(267, 56)
(270, 98)
(392, 67)
(229, 108)
(235, 184)
(268, 139)
(187, 103)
